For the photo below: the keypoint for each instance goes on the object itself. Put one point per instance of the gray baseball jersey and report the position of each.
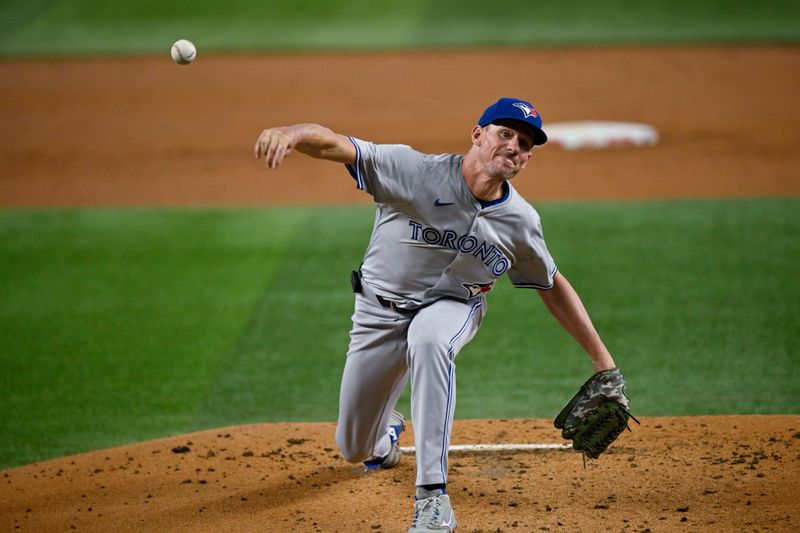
(433, 239)
(434, 252)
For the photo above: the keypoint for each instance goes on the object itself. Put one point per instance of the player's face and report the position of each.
(503, 148)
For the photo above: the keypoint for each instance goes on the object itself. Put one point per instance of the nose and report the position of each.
(513, 146)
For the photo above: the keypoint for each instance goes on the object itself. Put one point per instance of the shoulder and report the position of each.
(368, 146)
(448, 165)
(442, 159)
(522, 208)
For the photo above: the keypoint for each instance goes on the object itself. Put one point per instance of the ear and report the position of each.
(477, 135)
(527, 159)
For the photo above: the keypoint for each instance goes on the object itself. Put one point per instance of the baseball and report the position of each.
(183, 52)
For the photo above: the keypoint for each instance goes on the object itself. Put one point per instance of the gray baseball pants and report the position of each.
(386, 348)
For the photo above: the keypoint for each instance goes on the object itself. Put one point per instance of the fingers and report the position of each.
(274, 145)
(277, 153)
(264, 144)
(257, 147)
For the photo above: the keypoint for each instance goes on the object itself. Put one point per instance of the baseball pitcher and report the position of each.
(446, 228)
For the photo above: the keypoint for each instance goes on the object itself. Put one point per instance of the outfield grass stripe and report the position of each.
(288, 362)
(698, 300)
(114, 321)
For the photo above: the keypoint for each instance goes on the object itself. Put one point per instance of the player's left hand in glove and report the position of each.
(597, 414)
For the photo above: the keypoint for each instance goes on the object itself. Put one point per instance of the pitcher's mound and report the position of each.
(702, 474)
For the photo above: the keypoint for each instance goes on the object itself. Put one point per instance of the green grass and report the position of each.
(114, 324)
(67, 27)
(122, 325)
(699, 302)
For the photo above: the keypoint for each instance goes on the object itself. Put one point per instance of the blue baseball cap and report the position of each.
(519, 111)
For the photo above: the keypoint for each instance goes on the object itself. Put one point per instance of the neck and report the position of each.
(482, 186)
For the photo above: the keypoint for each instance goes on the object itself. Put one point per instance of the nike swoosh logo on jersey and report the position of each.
(439, 203)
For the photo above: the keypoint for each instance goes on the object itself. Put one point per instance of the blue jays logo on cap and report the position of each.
(528, 110)
(517, 110)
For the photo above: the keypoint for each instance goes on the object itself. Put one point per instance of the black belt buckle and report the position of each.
(355, 282)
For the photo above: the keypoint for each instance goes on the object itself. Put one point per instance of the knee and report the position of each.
(349, 447)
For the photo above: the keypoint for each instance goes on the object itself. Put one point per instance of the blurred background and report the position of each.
(89, 27)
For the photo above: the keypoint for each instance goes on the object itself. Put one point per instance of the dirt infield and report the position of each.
(701, 474)
(146, 132)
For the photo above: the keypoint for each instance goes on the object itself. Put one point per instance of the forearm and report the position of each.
(320, 142)
(275, 144)
(566, 307)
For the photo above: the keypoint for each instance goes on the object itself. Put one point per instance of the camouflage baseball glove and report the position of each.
(597, 414)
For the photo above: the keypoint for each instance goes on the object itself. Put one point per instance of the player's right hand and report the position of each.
(275, 145)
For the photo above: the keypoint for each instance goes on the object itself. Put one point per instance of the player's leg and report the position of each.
(374, 377)
(436, 335)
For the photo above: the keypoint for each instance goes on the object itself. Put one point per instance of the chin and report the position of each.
(503, 175)
(501, 172)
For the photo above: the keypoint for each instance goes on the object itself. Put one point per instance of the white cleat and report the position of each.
(432, 512)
